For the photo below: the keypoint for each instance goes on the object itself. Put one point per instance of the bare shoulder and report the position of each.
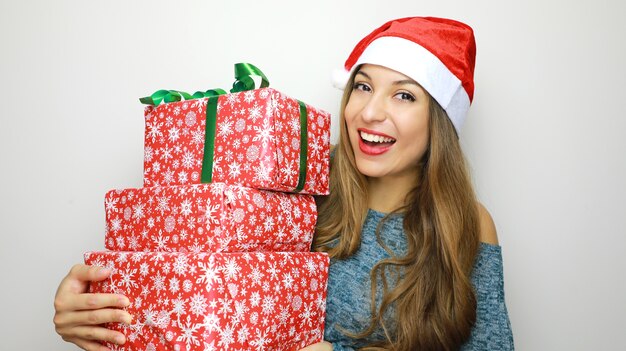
(487, 232)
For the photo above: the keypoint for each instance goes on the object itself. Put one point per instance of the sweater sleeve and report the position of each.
(492, 330)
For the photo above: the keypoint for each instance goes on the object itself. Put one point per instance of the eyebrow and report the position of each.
(397, 82)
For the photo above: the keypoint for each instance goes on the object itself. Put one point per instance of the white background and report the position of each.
(545, 136)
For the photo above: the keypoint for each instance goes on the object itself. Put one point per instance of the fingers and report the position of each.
(88, 336)
(72, 292)
(77, 280)
(84, 272)
(88, 345)
(99, 334)
(67, 301)
(84, 328)
(80, 315)
(95, 301)
(91, 317)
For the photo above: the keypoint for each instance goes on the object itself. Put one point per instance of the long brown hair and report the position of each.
(434, 300)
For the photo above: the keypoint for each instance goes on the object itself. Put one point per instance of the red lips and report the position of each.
(374, 148)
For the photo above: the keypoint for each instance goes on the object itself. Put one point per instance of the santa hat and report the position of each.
(437, 53)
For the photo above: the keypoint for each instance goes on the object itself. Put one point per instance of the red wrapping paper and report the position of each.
(222, 301)
(211, 217)
(257, 142)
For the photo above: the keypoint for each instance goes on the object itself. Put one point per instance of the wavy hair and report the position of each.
(433, 298)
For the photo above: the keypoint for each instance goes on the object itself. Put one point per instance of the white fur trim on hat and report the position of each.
(340, 78)
(419, 64)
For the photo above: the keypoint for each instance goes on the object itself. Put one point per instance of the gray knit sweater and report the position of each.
(348, 301)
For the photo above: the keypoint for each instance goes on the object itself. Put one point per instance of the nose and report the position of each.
(374, 109)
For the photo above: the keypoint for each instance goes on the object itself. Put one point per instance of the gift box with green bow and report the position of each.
(258, 138)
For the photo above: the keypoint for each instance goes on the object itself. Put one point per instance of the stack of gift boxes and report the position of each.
(214, 251)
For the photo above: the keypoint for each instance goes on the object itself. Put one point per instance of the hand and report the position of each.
(78, 314)
(320, 346)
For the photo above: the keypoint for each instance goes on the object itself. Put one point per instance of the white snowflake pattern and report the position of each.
(182, 177)
(160, 242)
(307, 315)
(179, 306)
(287, 281)
(211, 212)
(254, 113)
(212, 322)
(110, 204)
(264, 134)
(116, 224)
(249, 96)
(198, 304)
(152, 130)
(234, 170)
(231, 99)
(173, 134)
(163, 204)
(231, 269)
(158, 283)
(262, 173)
(226, 337)
(268, 224)
(268, 305)
(209, 275)
(242, 334)
(187, 334)
(181, 264)
(186, 207)
(138, 211)
(197, 137)
(225, 129)
(260, 340)
(127, 280)
(144, 269)
(255, 299)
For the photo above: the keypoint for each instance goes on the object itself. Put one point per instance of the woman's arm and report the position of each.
(78, 314)
(487, 233)
(326, 346)
(320, 346)
(492, 330)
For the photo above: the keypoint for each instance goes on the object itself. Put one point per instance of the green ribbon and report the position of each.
(303, 147)
(243, 79)
(209, 140)
(166, 96)
(243, 82)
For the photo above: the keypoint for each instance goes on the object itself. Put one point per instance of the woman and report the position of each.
(415, 263)
(402, 225)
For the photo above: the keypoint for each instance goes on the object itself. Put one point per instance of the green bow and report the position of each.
(243, 82)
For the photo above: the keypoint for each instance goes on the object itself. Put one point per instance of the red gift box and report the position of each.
(223, 301)
(254, 139)
(212, 217)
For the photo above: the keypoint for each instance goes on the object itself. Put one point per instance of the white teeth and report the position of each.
(375, 138)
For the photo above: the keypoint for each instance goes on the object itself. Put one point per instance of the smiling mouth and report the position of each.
(376, 140)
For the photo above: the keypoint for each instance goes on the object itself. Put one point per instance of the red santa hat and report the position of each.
(437, 53)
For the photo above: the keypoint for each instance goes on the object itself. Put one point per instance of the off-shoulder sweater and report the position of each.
(348, 300)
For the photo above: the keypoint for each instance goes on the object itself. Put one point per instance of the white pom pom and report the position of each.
(340, 78)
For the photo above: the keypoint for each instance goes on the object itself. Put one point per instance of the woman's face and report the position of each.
(387, 121)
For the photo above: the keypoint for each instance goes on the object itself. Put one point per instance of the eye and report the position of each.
(405, 96)
(361, 86)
